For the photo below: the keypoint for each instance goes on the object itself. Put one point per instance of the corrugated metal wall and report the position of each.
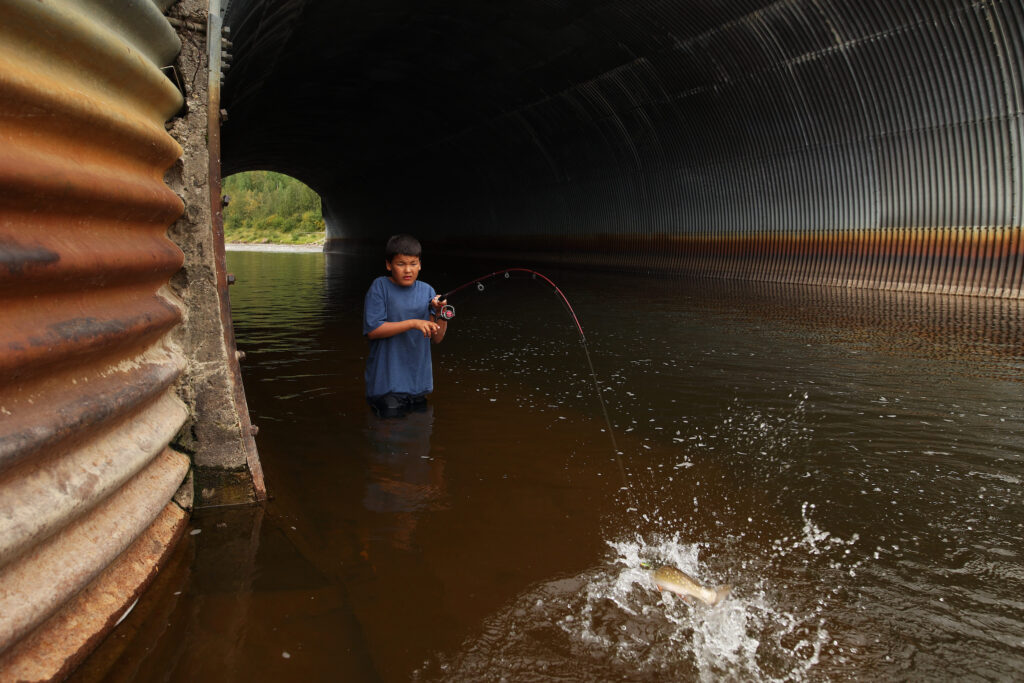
(864, 143)
(87, 368)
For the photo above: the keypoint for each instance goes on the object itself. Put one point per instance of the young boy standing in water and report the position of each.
(400, 318)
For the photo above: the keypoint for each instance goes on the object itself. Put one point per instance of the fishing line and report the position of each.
(448, 312)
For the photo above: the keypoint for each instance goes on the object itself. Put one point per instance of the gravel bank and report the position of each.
(236, 246)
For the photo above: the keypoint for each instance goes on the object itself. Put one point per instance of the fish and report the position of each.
(669, 578)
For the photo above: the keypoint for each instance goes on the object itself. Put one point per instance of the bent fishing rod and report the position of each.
(448, 313)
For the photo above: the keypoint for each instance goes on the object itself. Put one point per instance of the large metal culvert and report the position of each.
(94, 358)
(853, 143)
(863, 144)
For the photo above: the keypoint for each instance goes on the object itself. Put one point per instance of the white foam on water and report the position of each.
(609, 622)
(741, 638)
(996, 476)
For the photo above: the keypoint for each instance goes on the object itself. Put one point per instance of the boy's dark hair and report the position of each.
(407, 245)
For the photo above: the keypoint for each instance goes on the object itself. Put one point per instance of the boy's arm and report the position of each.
(442, 323)
(375, 312)
(385, 330)
(442, 327)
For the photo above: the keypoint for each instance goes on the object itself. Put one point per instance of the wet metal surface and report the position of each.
(848, 460)
(79, 626)
(68, 560)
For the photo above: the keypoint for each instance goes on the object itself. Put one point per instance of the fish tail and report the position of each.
(720, 593)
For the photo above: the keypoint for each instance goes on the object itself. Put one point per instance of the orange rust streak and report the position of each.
(68, 183)
(66, 408)
(56, 332)
(114, 129)
(43, 253)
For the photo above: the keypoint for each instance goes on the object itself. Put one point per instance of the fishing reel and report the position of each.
(446, 313)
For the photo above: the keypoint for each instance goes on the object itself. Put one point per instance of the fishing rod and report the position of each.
(448, 312)
(479, 282)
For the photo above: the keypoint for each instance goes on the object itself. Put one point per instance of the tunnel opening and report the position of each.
(851, 144)
(267, 207)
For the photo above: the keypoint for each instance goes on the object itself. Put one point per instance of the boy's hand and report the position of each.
(436, 303)
(427, 327)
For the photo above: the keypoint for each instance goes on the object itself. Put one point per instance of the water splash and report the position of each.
(610, 623)
(746, 637)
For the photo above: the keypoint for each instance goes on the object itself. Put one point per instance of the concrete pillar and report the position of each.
(218, 434)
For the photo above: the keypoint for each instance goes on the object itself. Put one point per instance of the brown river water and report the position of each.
(851, 462)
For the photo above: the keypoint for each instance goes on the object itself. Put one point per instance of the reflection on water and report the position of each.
(849, 460)
(404, 479)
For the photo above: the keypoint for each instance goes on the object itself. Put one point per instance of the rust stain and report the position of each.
(76, 328)
(77, 183)
(976, 261)
(37, 584)
(56, 254)
(87, 364)
(213, 39)
(54, 649)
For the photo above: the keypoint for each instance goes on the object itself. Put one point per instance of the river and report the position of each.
(849, 461)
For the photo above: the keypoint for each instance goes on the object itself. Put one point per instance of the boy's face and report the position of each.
(404, 269)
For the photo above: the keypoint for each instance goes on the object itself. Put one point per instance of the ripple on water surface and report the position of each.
(849, 461)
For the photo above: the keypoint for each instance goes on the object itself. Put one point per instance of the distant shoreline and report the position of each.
(240, 246)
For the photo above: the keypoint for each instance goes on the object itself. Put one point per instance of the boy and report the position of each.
(400, 318)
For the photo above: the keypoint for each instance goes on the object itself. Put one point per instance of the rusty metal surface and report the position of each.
(80, 327)
(58, 646)
(57, 489)
(88, 358)
(214, 54)
(58, 410)
(37, 584)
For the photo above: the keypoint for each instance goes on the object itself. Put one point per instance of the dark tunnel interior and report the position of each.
(809, 140)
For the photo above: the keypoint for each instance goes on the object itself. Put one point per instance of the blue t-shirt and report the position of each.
(398, 364)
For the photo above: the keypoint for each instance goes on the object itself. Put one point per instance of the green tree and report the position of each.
(271, 208)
